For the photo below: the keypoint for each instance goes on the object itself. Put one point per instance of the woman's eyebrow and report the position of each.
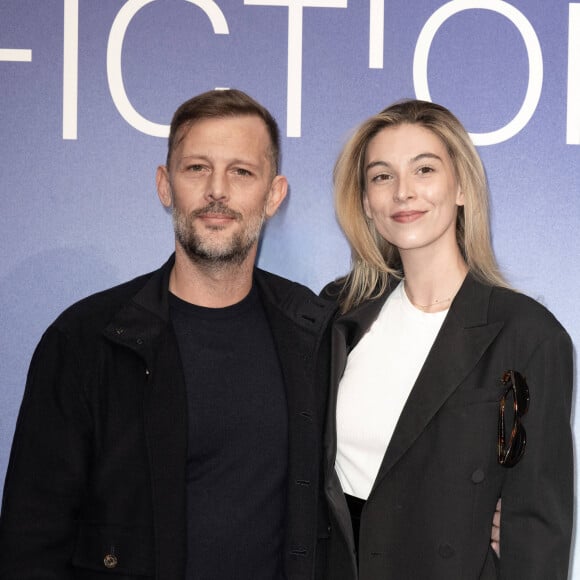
(418, 157)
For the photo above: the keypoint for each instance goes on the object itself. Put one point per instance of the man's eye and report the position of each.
(242, 172)
(195, 167)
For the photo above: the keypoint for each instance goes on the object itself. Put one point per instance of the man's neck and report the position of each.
(212, 285)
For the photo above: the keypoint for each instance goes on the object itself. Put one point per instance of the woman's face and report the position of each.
(412, 193)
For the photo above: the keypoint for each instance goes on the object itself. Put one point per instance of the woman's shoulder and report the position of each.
(529, 313)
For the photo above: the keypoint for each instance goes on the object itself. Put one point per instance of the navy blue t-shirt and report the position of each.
(237, 441)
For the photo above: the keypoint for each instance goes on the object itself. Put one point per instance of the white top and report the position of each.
(380, 373)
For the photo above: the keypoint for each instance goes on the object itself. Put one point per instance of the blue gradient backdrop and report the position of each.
(79, 215)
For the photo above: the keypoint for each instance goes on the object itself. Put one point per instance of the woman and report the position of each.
(431, 419)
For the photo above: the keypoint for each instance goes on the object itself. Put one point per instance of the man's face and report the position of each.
(221, 188)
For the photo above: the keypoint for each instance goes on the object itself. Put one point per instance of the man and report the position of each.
(170, 426)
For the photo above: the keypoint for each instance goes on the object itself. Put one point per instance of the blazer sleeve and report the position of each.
(48, 467)
(538, 493)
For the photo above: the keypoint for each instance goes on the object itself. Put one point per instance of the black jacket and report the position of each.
(97, 470)
(429, 514)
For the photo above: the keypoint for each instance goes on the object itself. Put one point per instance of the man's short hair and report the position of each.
(218, 104)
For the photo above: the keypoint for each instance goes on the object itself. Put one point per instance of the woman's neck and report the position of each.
(431, 282)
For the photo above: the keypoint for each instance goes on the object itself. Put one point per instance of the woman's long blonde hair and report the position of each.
(374, 259)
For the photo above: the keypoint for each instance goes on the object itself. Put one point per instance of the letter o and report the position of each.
(534, 50)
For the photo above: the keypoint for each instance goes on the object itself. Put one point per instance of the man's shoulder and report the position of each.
(282, 287)
(279, 282)
(294, 299)
(333, 290)
(97, 309)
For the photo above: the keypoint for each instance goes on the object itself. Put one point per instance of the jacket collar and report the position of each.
(294, 302)
(139, 324)
(154, 296)
(147, 313)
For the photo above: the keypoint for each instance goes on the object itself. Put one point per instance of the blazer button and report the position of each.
(110, 561)
(478, 476)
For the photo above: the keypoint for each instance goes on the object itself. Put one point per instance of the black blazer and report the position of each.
(98, 462)
(429, 513)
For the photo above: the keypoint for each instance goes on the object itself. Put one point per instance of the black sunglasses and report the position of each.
(516, 386)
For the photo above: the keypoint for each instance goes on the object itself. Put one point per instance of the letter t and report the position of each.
(294, 89)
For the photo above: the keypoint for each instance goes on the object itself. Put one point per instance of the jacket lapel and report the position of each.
(464, 337)
(346, 333)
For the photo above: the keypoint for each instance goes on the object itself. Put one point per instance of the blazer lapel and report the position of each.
(464, 337)
(346, 332)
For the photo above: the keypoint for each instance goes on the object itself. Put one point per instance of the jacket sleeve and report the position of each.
(537, 496)
(48, 467)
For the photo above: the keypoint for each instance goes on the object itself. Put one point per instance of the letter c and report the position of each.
(114, 68)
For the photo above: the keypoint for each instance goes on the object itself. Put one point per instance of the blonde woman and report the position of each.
(450, 391)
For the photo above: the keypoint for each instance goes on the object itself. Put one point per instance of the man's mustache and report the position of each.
(216, 207)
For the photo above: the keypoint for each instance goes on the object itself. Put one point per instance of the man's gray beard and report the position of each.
(201, 251)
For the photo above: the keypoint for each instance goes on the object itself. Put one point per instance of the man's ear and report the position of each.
(278, 191)
(163, 186)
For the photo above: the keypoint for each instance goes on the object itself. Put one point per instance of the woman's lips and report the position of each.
(407, 216)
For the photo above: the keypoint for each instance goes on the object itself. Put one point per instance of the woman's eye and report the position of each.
(381, 177)
(426, 169)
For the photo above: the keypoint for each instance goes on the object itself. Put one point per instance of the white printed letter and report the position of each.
(114, 69)
(70, 69)
(294, 88)
(376, 33)
(573, 122)
(15, 54)
(534, 58)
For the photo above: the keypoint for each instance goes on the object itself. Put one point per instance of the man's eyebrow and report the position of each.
(199, 156)
(419, 157)
(233, 161)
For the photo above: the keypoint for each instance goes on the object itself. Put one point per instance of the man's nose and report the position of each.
(217, 187)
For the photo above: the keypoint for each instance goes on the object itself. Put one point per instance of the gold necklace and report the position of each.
(427, 306)
(436, 303)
